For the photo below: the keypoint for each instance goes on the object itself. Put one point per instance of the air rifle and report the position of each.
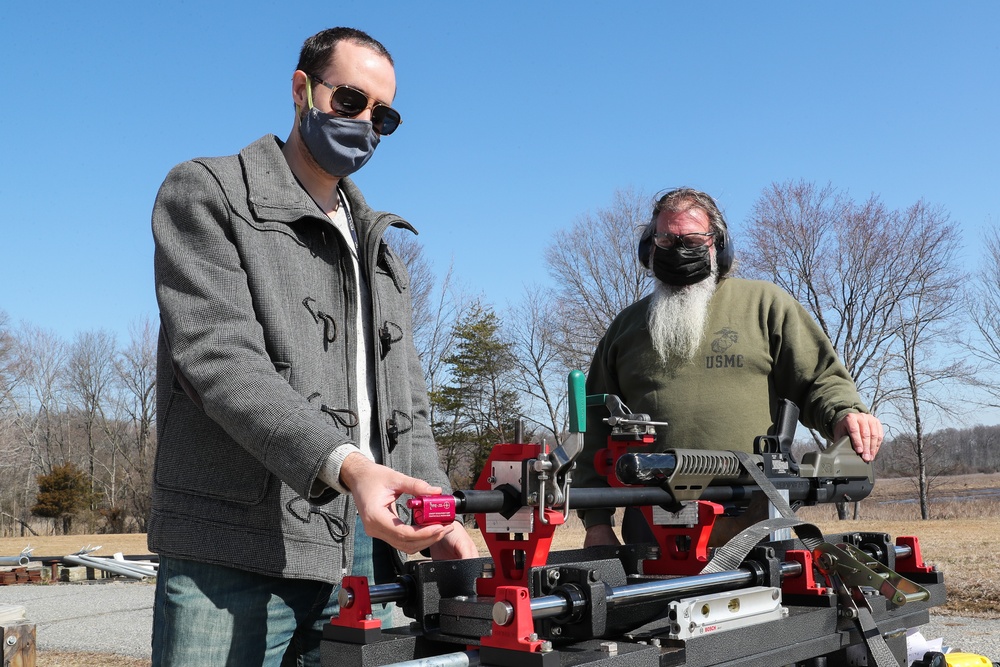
(668, 479)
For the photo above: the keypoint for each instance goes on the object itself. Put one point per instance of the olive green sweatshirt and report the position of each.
(760, 346)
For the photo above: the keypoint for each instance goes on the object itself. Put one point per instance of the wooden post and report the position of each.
(18, 645)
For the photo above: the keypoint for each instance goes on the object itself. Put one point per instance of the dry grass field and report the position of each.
(960, 539)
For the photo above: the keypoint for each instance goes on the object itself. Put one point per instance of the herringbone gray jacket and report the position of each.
(255, 366)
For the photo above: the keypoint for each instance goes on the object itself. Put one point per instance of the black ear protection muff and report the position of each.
(645, 244)
(723, 248)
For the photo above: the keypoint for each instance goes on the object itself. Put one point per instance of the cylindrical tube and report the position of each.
(485, 502)
(550, 606)
(19, 561)
(459, 659)
(385, 593)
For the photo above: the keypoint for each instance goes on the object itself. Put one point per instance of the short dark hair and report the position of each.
(317, 51)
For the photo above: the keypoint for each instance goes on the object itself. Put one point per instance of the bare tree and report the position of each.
(843, 262)
(421, 278)
(984, 310)
(437, 308)
(925, 329)
(35, 434)
(10, 372)
(40, 406)
(597, 273)
(867, 275)
(135, 368)
(90, 371)
(932, 452)
(532, 326)
(15, 460)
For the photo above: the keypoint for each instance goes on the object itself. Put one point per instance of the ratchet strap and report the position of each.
(732, 555)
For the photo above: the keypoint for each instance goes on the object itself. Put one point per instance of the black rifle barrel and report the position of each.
(800, 489)
(484, 502)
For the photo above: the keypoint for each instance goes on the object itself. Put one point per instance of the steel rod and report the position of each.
(108, 566)
(549, 606)
(385, 593)
(458, 659)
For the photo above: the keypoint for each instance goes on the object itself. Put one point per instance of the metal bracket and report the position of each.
(855, 569)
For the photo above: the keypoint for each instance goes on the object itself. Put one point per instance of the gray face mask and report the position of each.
(340, 146)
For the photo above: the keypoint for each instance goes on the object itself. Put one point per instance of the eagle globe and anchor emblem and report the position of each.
(722, 346)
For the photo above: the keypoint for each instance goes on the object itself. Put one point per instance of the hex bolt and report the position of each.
(546, 647)
(611, 648)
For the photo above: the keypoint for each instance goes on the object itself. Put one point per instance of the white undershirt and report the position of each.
(364, 363)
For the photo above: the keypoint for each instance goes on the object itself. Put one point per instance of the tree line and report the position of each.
(77, 431)
(893, 289)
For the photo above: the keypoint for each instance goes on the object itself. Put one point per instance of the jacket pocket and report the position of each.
(195, 456)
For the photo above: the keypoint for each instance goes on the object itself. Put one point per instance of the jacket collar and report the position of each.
(273, 192)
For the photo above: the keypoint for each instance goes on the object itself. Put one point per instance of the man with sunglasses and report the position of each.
(292, 413)
(712, 355)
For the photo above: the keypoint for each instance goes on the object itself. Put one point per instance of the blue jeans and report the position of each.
(212, 615)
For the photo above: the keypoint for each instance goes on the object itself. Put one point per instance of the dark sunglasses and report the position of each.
(351, 102)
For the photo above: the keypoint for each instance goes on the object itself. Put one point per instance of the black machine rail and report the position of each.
(814, 628)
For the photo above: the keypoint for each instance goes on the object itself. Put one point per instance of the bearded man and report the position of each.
(713, 356)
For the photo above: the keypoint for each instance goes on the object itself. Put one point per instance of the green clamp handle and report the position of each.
(577, 402)
(597, 399)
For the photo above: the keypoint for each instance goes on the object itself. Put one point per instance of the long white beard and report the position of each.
(677, 317)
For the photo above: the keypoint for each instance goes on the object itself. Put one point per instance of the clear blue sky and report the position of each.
(518, 117)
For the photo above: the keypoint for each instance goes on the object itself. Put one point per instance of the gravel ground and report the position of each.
(112, 617)
(116, 617)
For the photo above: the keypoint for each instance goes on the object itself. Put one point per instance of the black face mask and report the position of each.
(680, 266)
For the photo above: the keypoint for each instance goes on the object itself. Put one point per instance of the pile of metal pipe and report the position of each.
(116, 565)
